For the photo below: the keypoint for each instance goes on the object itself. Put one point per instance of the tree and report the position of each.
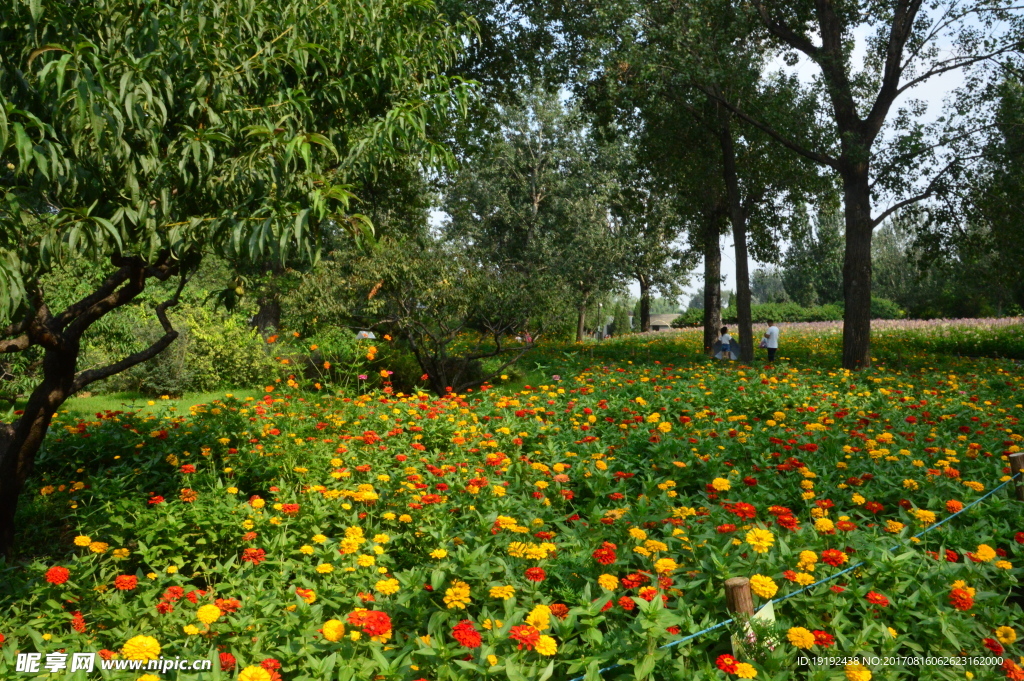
(911, 42)
(767, 286)
(620, 320)
(812, 270)
(149, 135)
(535, 199)
(646, 222)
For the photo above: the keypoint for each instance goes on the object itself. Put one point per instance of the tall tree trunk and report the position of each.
(645, 304)
(581, 321)
(738, 218)
(712, 283)
(857, 268)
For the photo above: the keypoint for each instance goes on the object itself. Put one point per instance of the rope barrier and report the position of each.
(690, 637)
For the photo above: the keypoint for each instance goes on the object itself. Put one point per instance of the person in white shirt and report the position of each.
(771, 340)
(724, 344)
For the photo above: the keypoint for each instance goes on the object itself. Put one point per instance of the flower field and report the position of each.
(543, 531)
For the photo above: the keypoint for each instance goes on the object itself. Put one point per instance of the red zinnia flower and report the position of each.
(837, 589)
(727, 663)
(254, 556)
(156, 499)
(823, 638)
(126, 582)
(788, 521)
(726, 528)
(270, 664)
(627, 603)
(874, 507)
(465, 633)
(228, 604)
(993, 645)
(78, 622)
(173, 593)
(526, 635)
(227, 662)
(605, 555)
(57, 575)
(559, 610)
(877, 598)
(833, 557)
(961, 599)
(536, 574)
(188, 468)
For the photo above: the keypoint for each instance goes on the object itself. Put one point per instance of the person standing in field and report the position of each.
(771, 340)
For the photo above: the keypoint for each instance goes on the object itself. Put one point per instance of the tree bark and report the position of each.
(645, 304)
(268, 318)
(20, 442)
(857, 268)
(712, 283)
(581, 322)
(738, 218)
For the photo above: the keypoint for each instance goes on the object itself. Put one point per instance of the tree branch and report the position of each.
(823, 159)
(84, 378)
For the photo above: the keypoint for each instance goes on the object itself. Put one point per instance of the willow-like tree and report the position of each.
(149, 134)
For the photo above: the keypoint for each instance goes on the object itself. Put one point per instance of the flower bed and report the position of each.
(539, 533)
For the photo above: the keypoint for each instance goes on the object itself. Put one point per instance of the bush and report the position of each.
(212, 351)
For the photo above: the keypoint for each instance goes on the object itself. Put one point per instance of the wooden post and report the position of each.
(1016, 465)
(737, 596)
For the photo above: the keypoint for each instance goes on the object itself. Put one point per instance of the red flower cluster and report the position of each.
(372, 622)
(466, 634)
(290, 509)
(725, 528)
(605, 555)
(526, 635)
(254, 556)
(78, 622)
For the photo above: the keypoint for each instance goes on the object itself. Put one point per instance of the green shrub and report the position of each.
(212, 351)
